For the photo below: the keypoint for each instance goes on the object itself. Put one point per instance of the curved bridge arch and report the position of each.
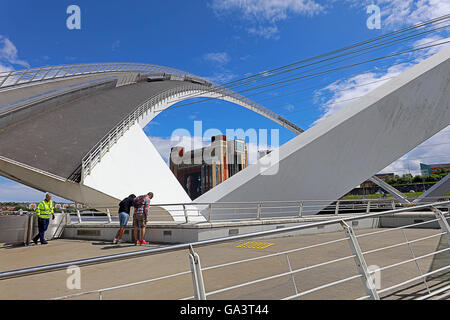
(128, 73)
(147, 111)
(58, 160)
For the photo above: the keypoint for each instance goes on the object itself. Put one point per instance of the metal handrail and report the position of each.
(50, 94)
(101, 291)
(415, 278)
(193, 203)
(269, 210)
(141, 253)
(312, 266)
(439, 291)
(25, 76)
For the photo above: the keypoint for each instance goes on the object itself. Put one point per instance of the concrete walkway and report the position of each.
(52, 285)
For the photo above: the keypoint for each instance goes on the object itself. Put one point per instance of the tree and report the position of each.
(406, 179)
(433, 178)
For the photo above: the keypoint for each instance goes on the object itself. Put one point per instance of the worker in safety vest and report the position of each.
(44, 211)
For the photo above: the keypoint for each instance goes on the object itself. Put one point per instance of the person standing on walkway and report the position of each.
(140, 218)
(44, 211)
(124, 214)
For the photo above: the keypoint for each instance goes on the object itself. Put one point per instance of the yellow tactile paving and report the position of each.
(255, 245)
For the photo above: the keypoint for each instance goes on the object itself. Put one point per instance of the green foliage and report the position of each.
(378, 196)
(409, 179)
(433, 178)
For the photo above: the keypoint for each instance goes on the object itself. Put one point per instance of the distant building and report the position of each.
(382, 176)
(201, 170)
(429, 169)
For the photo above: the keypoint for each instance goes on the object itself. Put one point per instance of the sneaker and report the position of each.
(115, 241)
(143, 242)
(136, 242)
(119, 241)
(44, 242)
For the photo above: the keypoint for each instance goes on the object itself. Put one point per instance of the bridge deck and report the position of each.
(52, 285)
(56, 141)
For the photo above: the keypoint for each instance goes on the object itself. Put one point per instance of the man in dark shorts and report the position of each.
(140, 218)
(124, 214)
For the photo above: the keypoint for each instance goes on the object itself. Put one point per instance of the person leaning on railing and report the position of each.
(44, 211)
(140, 218)
(124, 214)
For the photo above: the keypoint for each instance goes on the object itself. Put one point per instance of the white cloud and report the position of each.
(397, 13)
(265, 14)
(432, 40)
(9, 55)
(268, 10)
(267, 32)
(221, 58)
(400, 12)
(345, 91)
(434, 150)
(222, 77)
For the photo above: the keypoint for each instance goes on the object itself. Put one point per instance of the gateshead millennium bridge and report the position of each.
(69, 130)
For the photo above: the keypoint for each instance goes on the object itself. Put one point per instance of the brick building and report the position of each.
(202, 169)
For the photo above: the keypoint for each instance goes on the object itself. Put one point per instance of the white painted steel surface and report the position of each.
(133, 165)
(346, 148)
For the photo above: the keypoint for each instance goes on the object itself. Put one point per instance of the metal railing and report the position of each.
(198, 272)
(23, 103)
(26, 76)
(261, 210)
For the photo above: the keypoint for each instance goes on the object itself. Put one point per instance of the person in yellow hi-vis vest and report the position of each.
(44, 211)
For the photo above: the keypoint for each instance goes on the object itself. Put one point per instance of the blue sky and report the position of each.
(220, 40)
